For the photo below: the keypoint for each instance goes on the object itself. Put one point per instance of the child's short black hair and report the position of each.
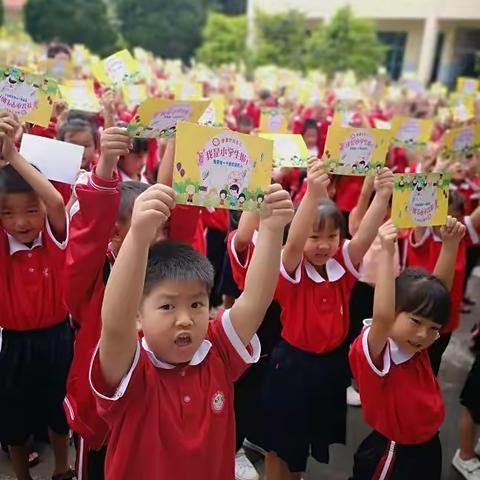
(77, 124)
(328, 212)
(139, 145)
(169, 260)
(129, 191)
(308, 124)
(245, 121)
(55, 48)
(420, 293)
(13, 182)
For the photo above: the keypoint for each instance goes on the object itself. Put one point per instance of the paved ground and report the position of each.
(455, 365)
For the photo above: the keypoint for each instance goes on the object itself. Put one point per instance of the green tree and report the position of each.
(347, 42)
(223, 39)
(1, 13)
(281, 39)
(75, 21)
(169, 29)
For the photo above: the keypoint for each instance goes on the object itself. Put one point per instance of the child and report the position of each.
(401, 398)
(174, 394)
(466, 460)
(131, 166)
(423, 251)
(36, 340)
(308, 372)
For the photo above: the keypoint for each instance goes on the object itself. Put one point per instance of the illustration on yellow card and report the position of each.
(80, 95)
(288, 150)
(27, 95)
(59, 68)
(134, 95)
(157, 117)
(220, 168)
(467, 85)
(420, 199)
(188, 91)
(458, 142)
(355, 151)
(273, 120)
(214, 115)
(411, 132)
(117, 69)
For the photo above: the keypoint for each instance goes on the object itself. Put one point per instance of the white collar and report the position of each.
(16, 246)
(398, 356)
(197, 358)
(334, 271)
(125, 178)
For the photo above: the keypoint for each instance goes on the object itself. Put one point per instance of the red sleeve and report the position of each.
(239, 269)
(90, 231)
(65, 190)
(219, 219)
(184, 224)
(48, 132)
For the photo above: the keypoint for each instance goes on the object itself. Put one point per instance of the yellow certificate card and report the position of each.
(188, 91)
(60, 69)
(80, 95)
(420, 199)
(134, 95)
(156, 117)
(467, 85)
(117, 69)
(27, 95)
(273, 120)
(411, 132)
(214, 115)
(458, 142)
(288, 150)
(355, 151)
(220, 168)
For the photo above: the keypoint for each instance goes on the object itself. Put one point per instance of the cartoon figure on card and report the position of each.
(408, 132)
(234, 192)
(241, 201)
(223, 196)
(190, 192)
(19, 95)
(356, 152)
(463, 142)
(423, 201)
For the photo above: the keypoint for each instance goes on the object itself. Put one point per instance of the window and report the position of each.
(395, 42)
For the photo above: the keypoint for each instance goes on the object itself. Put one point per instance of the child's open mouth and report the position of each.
(183, 340)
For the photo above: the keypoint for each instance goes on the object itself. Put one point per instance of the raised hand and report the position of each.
(317, 179)
(278, 210)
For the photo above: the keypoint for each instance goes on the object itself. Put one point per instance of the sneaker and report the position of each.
(244, 469)
(353, 397)
(251, 446)
(477, 448)
(470, 469)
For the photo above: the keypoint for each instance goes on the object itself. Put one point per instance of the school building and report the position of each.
(437, 39)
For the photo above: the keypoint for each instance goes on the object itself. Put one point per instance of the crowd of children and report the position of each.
(130, 321)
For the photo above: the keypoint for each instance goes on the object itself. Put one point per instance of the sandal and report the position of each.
(68, 475)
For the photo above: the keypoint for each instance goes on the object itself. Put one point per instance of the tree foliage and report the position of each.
(347, 42)
(230, 7)
(169, 29)
(223, 39)
(72, 21)
(281, 39)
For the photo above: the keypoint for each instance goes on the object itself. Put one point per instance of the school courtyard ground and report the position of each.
(455, 366)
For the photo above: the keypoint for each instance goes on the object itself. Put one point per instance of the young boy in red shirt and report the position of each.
(401, 398)
(100, 221)
(36, 341)
(170, 399)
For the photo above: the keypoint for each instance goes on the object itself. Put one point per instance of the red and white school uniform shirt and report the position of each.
(315, 311)
(166, 420)
(31, 293)
(239, 268)
(401, 399)
(424, 253)
(348, 190)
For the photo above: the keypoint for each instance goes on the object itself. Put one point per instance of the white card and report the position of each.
(58, 161)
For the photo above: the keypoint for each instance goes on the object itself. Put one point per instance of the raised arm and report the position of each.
(452, 233)
(165, 169)
(49, 195)
(249, 310)
(246, 228)
(357, 214)
(124, 289)
(384, 299)
(374, 217)
(302, 222)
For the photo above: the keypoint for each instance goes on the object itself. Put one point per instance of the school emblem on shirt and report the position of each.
(218, 402)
